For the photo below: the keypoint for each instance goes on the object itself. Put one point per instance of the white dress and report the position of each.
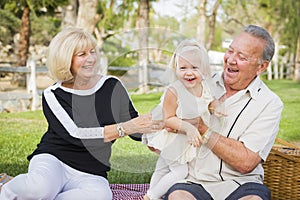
(174, 146)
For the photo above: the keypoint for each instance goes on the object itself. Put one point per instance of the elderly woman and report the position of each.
(86, 112)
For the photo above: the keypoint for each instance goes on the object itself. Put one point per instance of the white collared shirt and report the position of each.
(253, 118)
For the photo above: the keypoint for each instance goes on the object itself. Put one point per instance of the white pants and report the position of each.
(50, 179)
(164, 177)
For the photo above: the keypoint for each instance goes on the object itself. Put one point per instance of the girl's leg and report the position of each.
(43, 180)
(175, 173)
(85, 186)
(161, 169)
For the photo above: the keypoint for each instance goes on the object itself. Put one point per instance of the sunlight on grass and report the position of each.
(289, 92)
(132, 161)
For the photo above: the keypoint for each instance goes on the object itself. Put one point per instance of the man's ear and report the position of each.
(263, 67)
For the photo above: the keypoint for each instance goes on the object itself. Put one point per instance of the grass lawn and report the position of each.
(131, 162)
(289, 92)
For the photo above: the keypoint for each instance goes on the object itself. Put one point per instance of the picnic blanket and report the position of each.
(129, 191)
(120, 191)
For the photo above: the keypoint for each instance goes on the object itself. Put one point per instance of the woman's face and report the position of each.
(83, 64)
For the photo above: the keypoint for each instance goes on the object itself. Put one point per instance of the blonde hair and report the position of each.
(188, 49)
(61, 49)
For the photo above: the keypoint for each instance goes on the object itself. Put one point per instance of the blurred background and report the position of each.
(137, 37)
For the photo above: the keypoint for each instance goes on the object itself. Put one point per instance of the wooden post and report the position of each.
(31, 83)
(269, 71)
(103, 65)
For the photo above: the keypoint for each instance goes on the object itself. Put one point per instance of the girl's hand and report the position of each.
(216, 108)
(154, 150)
(193, 135)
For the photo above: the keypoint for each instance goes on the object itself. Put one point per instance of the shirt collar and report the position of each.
(218, 83)
(254, 87)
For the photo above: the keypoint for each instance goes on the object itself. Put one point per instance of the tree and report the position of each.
(201, 24)
(212, 24)
(297, 61)
(163, 38)
(87, 15)
(26, 7)
(142, 25)
(69, 13)
(280, 17)
(113, 16)
(81, 13)
(24, 36)
(9, 26)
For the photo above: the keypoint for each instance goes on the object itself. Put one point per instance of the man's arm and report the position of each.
(246, 153)
(234, 153)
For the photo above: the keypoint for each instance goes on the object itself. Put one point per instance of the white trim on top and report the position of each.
(65, 119)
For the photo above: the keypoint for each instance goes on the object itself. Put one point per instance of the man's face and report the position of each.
(243, 61)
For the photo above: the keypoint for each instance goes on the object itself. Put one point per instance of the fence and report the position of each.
(130, 80)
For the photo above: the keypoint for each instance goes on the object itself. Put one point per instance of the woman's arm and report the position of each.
(140, 124)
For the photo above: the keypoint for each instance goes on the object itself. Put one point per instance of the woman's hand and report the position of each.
(143, 124)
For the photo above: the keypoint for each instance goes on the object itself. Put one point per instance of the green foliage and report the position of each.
(37, 7)
(113, 50)
(43, 29)
(9, 26)
(280, 17)
(113, 14)
(217, 43)
(121, 61)
(44, 25)
(285, 16)
(290, 16)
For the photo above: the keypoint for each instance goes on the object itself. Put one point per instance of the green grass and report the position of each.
(131, 162)
(289, 92)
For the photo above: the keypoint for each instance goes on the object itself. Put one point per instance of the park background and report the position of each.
(136, 40)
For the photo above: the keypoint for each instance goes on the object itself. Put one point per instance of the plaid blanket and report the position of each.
(120, 191)
(129, 191)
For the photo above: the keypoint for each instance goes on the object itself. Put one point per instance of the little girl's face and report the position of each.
(188, 73)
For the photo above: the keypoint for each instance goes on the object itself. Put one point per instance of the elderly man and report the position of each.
(228, 164)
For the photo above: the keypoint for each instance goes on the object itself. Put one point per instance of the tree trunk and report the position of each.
(87, 15)
(142, 28)
(23, 47)
(24, 37)
(101, 32)
(70, 14)
(297, 61)
(201, 25)
(211, 25)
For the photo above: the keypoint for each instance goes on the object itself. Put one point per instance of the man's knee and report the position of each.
(251, 191)
(179, 195)
(187, 191)
(251, 197)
